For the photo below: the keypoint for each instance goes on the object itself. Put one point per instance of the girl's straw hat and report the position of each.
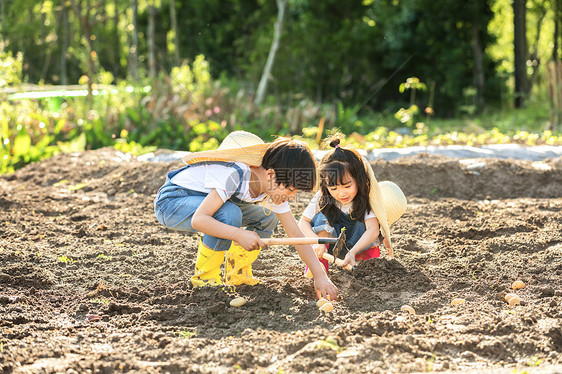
(394, 201)
(387, 202)
(240, 146)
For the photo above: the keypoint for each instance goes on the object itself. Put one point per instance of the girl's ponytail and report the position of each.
(335, 143)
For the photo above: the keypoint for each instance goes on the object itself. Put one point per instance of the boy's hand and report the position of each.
(319, 249)
(249, 240)
(349, 259)
(325, 288)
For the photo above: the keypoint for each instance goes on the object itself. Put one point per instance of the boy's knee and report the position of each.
(229, 214)
(270, 222)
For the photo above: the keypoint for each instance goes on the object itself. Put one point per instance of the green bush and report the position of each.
(189, 111)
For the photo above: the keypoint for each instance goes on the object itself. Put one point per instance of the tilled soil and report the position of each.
(90, 282)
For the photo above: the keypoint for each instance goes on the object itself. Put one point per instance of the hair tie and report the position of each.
(337, 146)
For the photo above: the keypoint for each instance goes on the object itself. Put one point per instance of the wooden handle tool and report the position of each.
(338, 243)
(299, 241)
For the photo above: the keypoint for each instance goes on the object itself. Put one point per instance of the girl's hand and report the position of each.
(249, 240)
(325, 288)
(349, 259)
(319, 249)
(386, 243)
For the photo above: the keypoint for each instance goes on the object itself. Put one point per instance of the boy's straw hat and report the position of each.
(240, 146)
(387, 202)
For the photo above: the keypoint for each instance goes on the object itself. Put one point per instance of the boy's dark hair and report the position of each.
(293, 162)
(332, 170)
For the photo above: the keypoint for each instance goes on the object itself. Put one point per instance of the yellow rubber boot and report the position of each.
(238, 266)
(207, 267)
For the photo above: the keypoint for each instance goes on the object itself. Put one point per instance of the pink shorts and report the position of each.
(373, 252)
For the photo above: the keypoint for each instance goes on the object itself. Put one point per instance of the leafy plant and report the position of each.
(186, 334)
(534, 361)
(11, 72)
(66, 259)
(99, 301)
(408, 115)
(329, 343)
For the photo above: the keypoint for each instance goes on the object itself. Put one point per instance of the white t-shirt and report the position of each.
(313, 207)
(224, 179)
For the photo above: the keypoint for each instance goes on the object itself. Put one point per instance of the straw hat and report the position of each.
(394, 201)
(387, 202)
(240, 146)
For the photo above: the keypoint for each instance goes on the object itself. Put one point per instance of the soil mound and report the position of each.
(90, 282)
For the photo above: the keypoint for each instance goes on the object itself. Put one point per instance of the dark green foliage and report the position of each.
(356, 52)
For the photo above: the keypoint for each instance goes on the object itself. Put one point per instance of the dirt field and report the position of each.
(91, 283)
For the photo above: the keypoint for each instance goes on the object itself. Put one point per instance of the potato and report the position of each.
(518, 285)
(327, 307)
(321, 302)
(458, 301)
(237, 302)
(407, 308)
(515, 300)
(509, 296)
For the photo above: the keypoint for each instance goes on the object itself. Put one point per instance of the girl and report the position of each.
(348, 198)
(216, 192)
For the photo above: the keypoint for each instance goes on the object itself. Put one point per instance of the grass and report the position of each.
(532, 118)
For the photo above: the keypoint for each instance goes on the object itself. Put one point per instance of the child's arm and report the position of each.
(324, 286)
(370, 235)
(306, 228)
(204, 222)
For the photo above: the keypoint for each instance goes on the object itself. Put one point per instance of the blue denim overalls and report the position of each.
(174, 207)
(353, 230)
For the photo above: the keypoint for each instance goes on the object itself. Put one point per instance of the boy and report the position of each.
(216, 192)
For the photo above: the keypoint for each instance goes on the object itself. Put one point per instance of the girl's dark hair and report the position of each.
(293, 162)
(333, 167)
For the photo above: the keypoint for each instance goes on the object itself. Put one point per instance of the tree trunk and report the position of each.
(174, 21)
(134, 48)
(554, 84)
(2, 26)
(557, 24)
(520, 50)
(117, 45)
(50, 50)
(278, 28)
(64, 45)
(534, 56)
(478, 68)
(150, 41)
(554, 73)
(86, 29)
